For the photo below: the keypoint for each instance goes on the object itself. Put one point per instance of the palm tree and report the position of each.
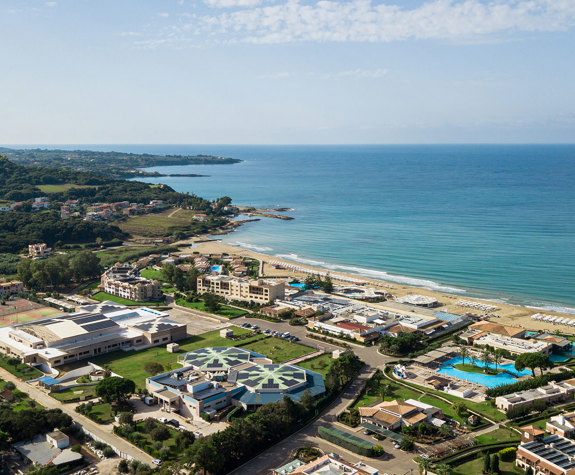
(443, 469)
(463, 351)
(497, 358)
(486, 359)
(384, 391)
(423, 465)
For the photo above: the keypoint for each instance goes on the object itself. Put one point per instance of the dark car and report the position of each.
(173, 422)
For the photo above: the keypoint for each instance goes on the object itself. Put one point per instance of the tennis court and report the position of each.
(22, 311)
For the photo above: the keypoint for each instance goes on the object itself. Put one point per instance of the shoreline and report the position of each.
(508, 314)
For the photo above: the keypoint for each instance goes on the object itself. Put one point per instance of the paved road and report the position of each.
(104, 432)
(394, 462)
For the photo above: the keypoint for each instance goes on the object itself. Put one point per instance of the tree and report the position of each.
(385, 390)
(406, 444)
(184, 440)
(460, 408)
(532, 361)
(486, 463)
(153, 368)
(307, 400)
(123, 466)
(423, 465)
(486, 355)
(115, 389)
(126, 418)
(463, 351)
(85, 265)
(160, 433)
(443, 469)
(211, 302)
(497, 357)
(529, 471)
(205, 457)
(495, 464)
(327, 285)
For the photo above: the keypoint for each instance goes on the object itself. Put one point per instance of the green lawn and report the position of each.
(278, 349)
(224, 311)
(320, 364)
(153, 274)
(147, 442)
(21, 370)
(469, 368)
(130, 364)
(21, 399)
(498, 435)
(92, 286)
(61, 188)
(475, 467)
(397, 392)
(102, 413)
(102, 296)
(72, 394)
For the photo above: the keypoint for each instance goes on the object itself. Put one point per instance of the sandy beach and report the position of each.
(513, 315)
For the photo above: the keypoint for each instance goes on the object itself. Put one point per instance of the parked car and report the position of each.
(255, 327)
(157, 462)
(267, 331)
(163, 420)
(295, 338)
(173, 422)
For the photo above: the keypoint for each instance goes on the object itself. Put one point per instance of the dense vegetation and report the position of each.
(531, 383)
(402, 345)
(28, 423)
(112, 164)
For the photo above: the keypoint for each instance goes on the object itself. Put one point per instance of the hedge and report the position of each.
(532, 383)
(508, 454)
(347, 441)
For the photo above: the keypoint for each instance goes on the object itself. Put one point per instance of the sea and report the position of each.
(490, 221)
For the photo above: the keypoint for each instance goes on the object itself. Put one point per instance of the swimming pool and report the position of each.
(562, 356)
(297, 285)
(491, 381)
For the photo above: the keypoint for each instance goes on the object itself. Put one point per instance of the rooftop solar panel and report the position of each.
(105, 324)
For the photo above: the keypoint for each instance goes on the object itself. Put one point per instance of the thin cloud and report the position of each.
(371, 21)
(352, 74)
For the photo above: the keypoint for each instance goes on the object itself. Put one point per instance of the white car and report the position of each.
(163, 420)
(157, 462)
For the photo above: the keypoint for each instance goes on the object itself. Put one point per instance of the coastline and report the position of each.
(508, 314)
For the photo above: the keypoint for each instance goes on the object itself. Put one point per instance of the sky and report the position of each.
(287, 71)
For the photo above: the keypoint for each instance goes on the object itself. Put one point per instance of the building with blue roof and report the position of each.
(214, 378)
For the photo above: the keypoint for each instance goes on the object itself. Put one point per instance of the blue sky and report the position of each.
(287, 71)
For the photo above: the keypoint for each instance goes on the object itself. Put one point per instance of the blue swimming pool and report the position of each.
(297, 285)
(217, 269)
(562, 356)
(491, 381)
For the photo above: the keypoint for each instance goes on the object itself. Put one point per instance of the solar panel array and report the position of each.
(217, 358)
(272, 376)
(555, 450)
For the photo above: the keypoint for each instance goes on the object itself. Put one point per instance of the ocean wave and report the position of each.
(374, 274)
(553, 308)
(253, 247)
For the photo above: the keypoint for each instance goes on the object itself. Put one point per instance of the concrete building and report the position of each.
(234, 288)
(11, 288)
(214, 378)
(553, 392)
(39, 250)
(331, 465)
(94, 330)
(124, 281)
(552, 455)
(563, 425)
(58, 439)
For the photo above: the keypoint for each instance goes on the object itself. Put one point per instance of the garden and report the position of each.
(103, 296)
(74, 394)
(19, 369)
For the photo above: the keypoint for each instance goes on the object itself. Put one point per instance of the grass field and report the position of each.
(224, 311)
(475, 467)
(101, 413)
(102, 296)
(153, 274)
(158, 224)
(129, 254)
(61, 187)
(78, 392)
(20, 400)
(498, 435)
(397, 392)
(469, 368)
(130, 364)
(278, 349)
(320, 364)
(21, 370)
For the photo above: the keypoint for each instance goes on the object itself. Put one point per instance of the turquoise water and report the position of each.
(564, 355)
(491, 381)
(484, 220)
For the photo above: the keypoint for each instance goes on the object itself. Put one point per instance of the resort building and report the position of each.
(349, 329)
(393, 415)
(553, 392)
(39, 250)
(418, 300)
(552, 455)
(94, 330)
(124, 281)
(326, 465)
(214, 378)
(563, 425)
(11, 288)
(234, 288)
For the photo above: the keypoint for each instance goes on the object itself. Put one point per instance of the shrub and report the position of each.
(99, 445)
(407, 444)
(517, 412)
(160, 433)
(377, 451)
(508, 454)
(10, 385)
(108, 452)
(149, 425)
(76, 448)
(123, 466)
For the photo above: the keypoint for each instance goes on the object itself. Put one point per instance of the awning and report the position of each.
(380, 430)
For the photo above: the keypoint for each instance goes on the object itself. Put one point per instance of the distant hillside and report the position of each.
(112, 164)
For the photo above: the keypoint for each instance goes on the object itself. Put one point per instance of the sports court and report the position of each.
(22, 311)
